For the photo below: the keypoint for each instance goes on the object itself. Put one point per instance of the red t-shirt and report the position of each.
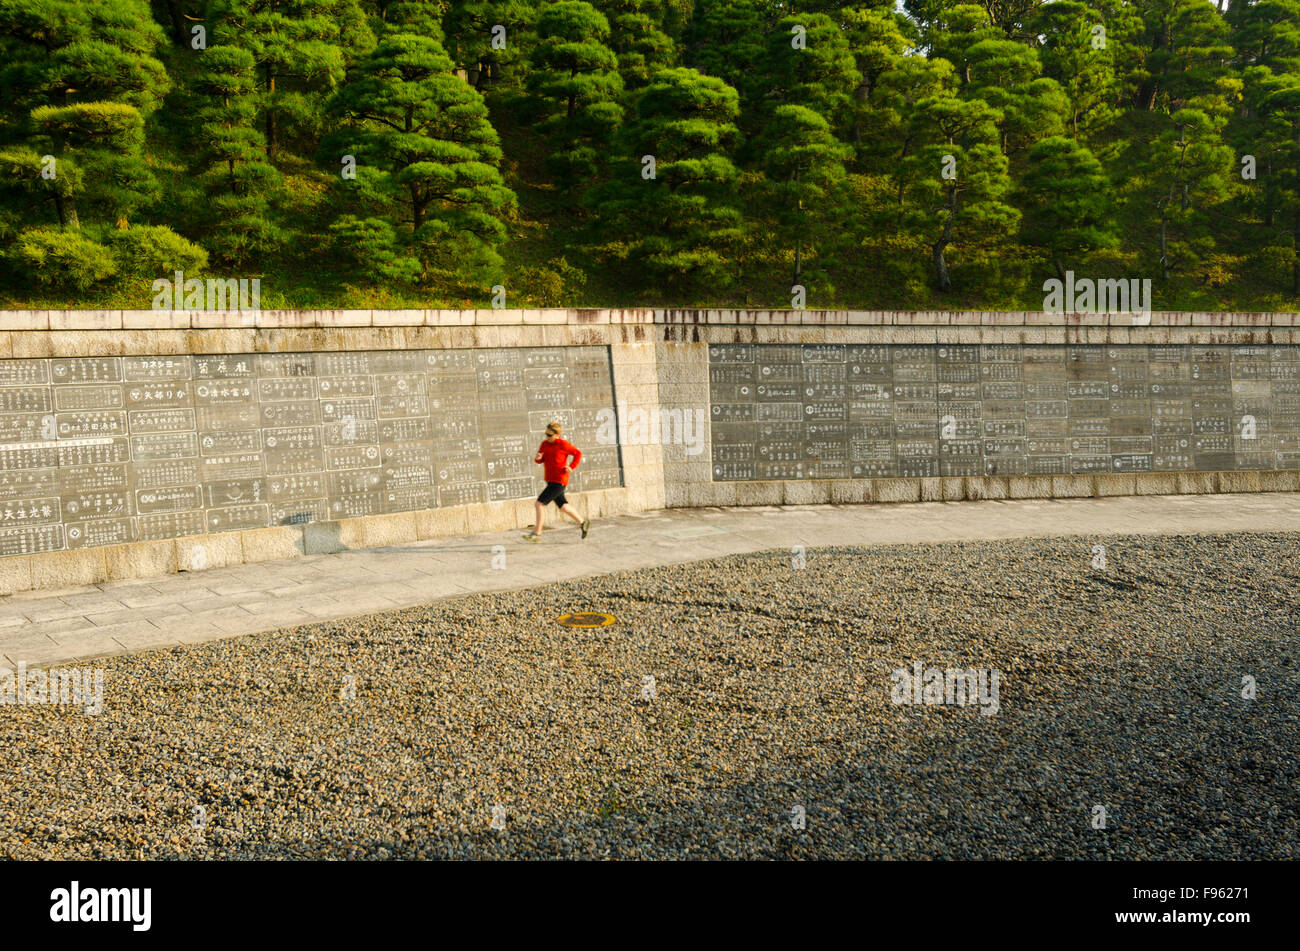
(555, 456)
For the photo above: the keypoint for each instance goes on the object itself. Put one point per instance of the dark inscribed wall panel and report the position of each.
(109, 450)
(836, 411)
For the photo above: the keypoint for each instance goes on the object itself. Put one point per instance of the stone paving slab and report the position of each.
(52, 627)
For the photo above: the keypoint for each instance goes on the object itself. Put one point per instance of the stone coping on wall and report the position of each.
(41, 344)
(62, 320)
(64, 336)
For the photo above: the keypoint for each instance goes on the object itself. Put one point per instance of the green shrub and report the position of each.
(60, 259)
(372, 245)
(154, 251)
(559, 285)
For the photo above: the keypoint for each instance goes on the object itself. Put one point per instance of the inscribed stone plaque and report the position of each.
(149, 447)
(1022, 399)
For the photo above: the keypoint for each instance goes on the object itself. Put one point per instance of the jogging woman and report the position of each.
(553, 455)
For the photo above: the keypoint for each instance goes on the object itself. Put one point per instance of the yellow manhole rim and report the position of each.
(586, 619)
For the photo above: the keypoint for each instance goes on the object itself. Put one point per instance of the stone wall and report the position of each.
(873, 411)
(660, 364)
(107, 450)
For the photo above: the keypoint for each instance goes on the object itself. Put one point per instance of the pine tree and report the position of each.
(485, 37)
(1266, 130)
(638, 40)
(897, 136)
(1069, 206)
(1266, 33)
(1007, 75)
(421, 17)
(231, 159)
(1274, 145)
(575, 76)
(1080, 55)
(804, 176)
(877, 40)
(66, 52)
(426, 163)
(78, 81)
(1188, 52)
(725, 39)
(957, 28)
(808, 62)
(954, 184)
(672, 197)
(103, 142)
(33, 188)
(302, 49)
(1183, 174)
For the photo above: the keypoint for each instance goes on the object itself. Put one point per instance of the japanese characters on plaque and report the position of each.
(109, 450)
(831, 411)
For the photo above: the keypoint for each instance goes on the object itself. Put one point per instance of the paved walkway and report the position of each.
(51, 627)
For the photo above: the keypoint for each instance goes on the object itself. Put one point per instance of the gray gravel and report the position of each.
(1119, 687)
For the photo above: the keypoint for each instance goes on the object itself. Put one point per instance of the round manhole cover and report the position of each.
(586, 619)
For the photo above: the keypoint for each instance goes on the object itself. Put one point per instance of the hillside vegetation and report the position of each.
(395, 153)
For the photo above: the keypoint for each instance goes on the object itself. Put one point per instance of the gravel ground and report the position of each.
(1119, 687)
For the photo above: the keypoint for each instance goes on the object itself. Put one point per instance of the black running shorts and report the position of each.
(554, 492)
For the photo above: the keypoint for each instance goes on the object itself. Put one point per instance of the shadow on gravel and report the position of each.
(730, 695)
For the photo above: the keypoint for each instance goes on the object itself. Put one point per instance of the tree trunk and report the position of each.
(270, 115)
(941, 266)
(860, 95)
(1146, 95)
(945, 239)
(1295, 255)
(1268, 208)
(1150, 87)
(898, 220)
(1164, 247)
(798, 241)
(178, 22)
(936, 249)
(230, 162)
(67, 209)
